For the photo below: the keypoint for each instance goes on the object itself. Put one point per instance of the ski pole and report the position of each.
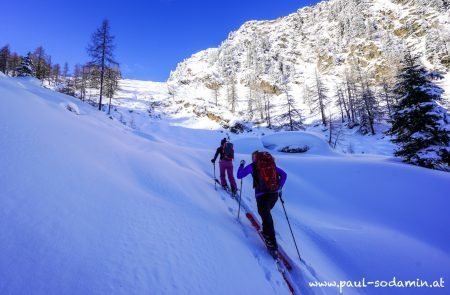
(290, 228)
(215, 182)
(240, 196)
(241, 165)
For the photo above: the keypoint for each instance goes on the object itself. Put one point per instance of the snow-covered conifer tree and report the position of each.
(420, 125)
(26, 67)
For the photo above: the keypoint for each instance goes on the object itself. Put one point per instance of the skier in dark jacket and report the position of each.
(265, 198)
(225, 165)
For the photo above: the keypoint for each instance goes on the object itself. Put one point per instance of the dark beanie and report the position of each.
(223, 141)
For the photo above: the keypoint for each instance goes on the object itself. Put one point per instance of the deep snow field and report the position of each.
(94, 205)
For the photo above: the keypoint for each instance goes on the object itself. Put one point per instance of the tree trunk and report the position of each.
(102, 73)
(109, 107)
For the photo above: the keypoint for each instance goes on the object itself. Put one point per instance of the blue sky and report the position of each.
(151, 36)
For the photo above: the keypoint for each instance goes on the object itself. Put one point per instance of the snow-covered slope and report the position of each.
(91, 206)
(336, 38)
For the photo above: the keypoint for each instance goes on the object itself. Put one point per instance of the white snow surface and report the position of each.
(92, 205)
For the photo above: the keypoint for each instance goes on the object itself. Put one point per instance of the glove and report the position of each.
(242, 163)
(212, 161)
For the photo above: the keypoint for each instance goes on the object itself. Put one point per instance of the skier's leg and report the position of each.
(273, 200)
(231, 176)
(222, 165)
(264, 204)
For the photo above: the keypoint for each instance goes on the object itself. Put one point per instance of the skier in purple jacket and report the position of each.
(265, 199)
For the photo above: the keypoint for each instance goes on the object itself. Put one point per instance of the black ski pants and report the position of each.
(265, 203)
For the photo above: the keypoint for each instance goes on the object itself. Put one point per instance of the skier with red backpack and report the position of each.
(226, 152)
(268, 180)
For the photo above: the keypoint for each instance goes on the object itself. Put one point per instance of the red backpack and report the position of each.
(265, 173)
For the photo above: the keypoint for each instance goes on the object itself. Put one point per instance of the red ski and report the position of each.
(281, 254)
(283, 263)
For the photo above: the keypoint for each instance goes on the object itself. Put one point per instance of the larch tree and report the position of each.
(112, 77)
(4, 59)
(100, 49)
(39, 60)
(14, 62)
(56, 73)
(290, 116)
(320, 100)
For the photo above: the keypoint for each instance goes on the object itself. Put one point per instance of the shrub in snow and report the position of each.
(133, 124)
(152, 109)
(352, 125)
(420, 125)
(122, 120)
(350, 148)
(73, 108)
(67, 87)
(239, 128)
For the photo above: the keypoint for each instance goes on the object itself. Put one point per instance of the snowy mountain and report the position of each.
(92, 204)
(336, 39)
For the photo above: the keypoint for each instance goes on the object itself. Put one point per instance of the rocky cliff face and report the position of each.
(263, 59)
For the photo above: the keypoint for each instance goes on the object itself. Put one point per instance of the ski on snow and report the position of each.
(228, 190)
(281, 254)
(281, 259)
(283, 264)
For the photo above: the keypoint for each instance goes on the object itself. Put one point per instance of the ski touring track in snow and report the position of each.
(292, 276)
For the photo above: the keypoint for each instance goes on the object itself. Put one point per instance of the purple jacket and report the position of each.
(243, 172)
